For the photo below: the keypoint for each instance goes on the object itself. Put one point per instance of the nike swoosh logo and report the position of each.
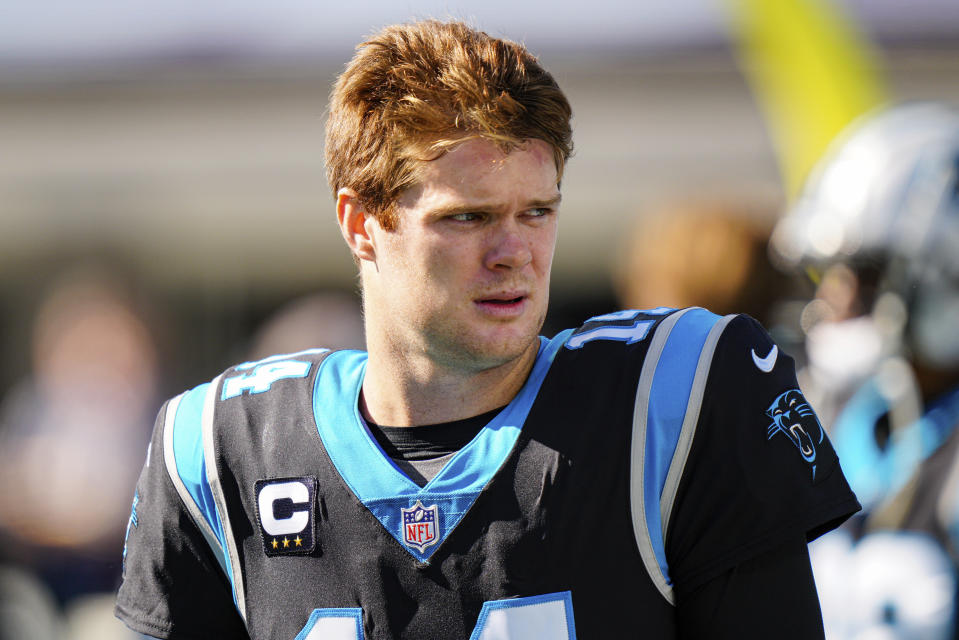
(766, 364)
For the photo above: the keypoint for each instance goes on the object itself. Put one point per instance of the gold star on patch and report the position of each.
(298, 541)
(286, 542)
(275, 543)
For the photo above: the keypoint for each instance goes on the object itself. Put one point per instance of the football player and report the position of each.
(878, 227)
(650, 474)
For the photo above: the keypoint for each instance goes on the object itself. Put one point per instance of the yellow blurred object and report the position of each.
(812, 72)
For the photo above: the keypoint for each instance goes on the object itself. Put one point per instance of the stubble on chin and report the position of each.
(456, 348)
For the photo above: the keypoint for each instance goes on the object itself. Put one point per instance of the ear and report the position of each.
(353, 218)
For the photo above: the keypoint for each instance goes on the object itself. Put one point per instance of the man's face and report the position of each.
(464, 278)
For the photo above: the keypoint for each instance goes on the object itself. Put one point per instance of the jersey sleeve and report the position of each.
(175, 584)
(760, 467)
(777, 588)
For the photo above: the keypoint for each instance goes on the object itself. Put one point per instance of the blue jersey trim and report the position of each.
(188, 453)
(490, 606)
(350, 613)
(668, 399)
(382, 487)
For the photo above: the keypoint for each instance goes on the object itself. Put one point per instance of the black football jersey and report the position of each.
(648, 452)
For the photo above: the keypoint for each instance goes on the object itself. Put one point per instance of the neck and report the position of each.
(410, 390)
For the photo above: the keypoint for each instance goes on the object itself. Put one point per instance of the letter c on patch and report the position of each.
(298, 493)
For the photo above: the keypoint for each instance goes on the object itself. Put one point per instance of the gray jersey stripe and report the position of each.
(213, 477)
(169, 458)
(691, 418)
(638, 455)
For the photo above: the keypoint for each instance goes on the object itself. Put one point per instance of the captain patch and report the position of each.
(286, 515)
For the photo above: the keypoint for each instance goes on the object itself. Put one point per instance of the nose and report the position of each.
(509, 249)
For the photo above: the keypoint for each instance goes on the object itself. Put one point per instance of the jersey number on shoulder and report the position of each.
(628, 333)
(532, 618)
(263, 373)
(262, 376)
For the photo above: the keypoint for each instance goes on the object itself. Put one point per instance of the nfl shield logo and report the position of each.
(419, 526)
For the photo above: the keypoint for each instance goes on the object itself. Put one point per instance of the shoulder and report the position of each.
(628, 326)
(188, 418)
(654, 335)
(259, 376)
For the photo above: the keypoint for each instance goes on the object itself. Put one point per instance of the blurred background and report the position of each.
(164, 210)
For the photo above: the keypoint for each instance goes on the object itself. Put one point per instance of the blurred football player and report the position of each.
(465, 477)
(878, 228)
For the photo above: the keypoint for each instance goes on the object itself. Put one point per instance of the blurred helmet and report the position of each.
(886, 195)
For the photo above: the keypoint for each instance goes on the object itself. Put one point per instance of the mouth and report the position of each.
(504, 304)
(502, 301)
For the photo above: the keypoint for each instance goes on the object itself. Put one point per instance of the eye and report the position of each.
(538, 215)
(468, 216)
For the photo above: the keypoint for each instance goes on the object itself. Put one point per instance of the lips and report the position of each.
(502, 301)
(508, 303)
(509, 296)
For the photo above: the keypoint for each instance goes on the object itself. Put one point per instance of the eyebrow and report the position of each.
(471, 208)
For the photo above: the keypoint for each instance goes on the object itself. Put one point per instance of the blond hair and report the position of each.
(414, 91)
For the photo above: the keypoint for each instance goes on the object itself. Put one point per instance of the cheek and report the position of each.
(446, 261)
(407, 260)
(543, 249)
(435, 274)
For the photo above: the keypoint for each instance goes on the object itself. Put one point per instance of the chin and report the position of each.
(479, 344)
(499, 349)
(481, 353)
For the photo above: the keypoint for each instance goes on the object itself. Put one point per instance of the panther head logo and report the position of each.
(792, 416)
